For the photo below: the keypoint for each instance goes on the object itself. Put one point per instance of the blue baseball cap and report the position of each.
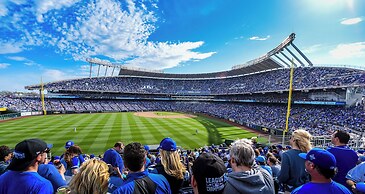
(320, 157)
(279, 146)
(147, 148)
(69, 144)
(167, 144)
(260, 159)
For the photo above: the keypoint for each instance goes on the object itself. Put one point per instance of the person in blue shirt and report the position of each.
(5, 156)
(261, 161)
(321, 165)
(22, 176)
(346, 157)
(138, 179)
(50, 172)
(112, 156)
(356, 175)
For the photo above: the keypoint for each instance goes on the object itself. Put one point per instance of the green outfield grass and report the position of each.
(97, 132)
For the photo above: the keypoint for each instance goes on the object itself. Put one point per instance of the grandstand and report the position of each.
(253, 94)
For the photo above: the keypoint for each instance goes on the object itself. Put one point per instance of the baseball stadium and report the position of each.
(267, 97)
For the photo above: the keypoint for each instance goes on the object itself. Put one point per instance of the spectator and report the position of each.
(54, 175)
(247, 178)
(208, 174)
(261, 161)
(71, 160)
(356, 175)
(22, 176)
(293, 173)
(170, 165)
(5, 156)
(112, 156)
(346, 157)
(321, 165)
(92, 178)
(138, 179)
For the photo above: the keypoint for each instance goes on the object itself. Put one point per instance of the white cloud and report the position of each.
(312, 49)
(4, 65)
(106, 29)
(50, 75)
(17, 58)
(10, 47)
(350, 50)
(259, 38)
(351, 21)
(3, 9)
(43, 6)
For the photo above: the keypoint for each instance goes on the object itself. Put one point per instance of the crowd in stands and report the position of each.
(318, 120)
(245, 166)
(276, 80)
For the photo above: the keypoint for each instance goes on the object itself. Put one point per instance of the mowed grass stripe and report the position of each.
(156, 131)
(191, 139)
(64, 133)
(97, 132)
(40, 127)
(102, 140)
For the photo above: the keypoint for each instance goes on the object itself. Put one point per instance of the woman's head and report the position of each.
(301, 139)
(171, 162)
(93, 177)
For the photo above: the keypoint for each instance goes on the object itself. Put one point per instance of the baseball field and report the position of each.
(96, 132)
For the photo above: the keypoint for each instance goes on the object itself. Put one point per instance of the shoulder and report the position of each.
(341, 187)
(157, 177)
(125, 188)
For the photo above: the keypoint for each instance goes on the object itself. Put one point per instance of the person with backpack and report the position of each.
(139, 181)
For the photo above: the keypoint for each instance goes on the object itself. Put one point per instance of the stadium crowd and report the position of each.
(245, 166)
(275, 80)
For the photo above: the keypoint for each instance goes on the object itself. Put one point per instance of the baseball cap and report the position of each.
(167, 144)
(69, 144)
(209, 171)
(320, 157)
(279, 146)
(25, 152)
(260, 159)
(147, 148)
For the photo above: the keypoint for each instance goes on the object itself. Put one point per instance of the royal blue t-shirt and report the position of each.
(127, 187)
(24, 183)
(346, 159)
(322, 188)
(113, 157)
(50, 172)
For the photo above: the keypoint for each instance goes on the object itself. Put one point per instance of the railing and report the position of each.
(9, 116)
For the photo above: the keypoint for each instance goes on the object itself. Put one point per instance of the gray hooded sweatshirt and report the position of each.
(250, 182)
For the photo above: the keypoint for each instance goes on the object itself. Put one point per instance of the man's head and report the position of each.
(321, 161)
(119, 147)
(340, 137)
(5, 153)
(134, 156)
(208, 174)
(242, 153)
(27, 153)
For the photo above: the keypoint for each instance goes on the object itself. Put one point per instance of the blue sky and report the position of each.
(52, 38)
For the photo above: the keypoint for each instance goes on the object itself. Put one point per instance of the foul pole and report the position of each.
(289, 100)
(42, 98)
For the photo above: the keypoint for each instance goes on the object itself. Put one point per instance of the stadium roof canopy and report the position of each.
(281, 56)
